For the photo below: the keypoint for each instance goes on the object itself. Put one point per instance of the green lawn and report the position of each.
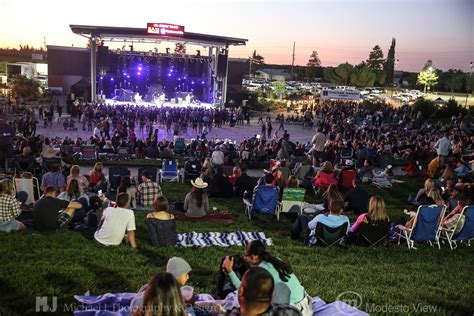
(387, 278)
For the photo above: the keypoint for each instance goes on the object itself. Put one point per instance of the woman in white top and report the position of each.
(127, 187)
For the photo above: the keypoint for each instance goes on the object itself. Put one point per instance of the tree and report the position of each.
(339, 75)
(313, 63)
(389, 66)
(314, 60)
(25, 88)
(453, 80)
(280, 88)
(257, 59)
(363, 77)
(376, 60)
(428, 76)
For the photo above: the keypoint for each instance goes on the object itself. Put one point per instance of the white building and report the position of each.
(272, 74)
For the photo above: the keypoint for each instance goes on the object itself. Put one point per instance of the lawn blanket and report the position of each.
(118, 304)
(193, 239)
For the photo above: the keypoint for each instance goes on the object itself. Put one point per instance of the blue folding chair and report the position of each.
(170, 170)
(265, 201)
(467, 230)
(426, 227)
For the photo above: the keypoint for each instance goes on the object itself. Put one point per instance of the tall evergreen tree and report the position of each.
(389, 67)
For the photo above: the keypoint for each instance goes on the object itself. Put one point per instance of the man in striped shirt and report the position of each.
(9, 211)
(148, 190)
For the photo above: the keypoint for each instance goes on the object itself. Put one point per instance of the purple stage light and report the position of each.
(192, 82)
(139, 73)
(202, 82)
(169, 75)
(139, 68)
(101, 77)
(128, 76)
(124, 73)
(111, 79)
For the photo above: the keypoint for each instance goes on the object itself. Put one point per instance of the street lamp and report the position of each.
(469, 84)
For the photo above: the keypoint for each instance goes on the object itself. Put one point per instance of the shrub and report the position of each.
(426, 107)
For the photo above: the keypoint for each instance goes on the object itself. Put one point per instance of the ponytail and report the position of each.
(257, 248)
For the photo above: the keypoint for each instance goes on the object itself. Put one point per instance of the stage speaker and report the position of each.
(103, 57)
(221, 65)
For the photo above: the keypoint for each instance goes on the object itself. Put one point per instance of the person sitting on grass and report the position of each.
(255, 296)
(53, 178)
(375, 216)
(422, 194)
(115, 222)
(126, 186)
(281, 272)
(161, 224)
(9, 208)
(304, 225)
(75, 173)
(148, 190)
(97, 177)
(357, 199)
(325, 177)
(177, 267)
(196, 203)
(162, 297)
(47, 214)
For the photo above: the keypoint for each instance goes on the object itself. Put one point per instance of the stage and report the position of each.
(200, 105)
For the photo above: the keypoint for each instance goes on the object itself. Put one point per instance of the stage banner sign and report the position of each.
(165, 29)
(334, 94)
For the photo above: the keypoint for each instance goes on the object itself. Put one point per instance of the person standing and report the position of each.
(269, 128)
(443, 146)
(318, 141)
(6, 142)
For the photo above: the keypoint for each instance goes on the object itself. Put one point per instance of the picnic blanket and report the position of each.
(193, 239)
(220, 218)
(118, 304)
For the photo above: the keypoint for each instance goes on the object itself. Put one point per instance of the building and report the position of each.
(272, 74)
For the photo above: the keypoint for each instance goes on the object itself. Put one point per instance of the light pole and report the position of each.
(469, 84)
(394, 85)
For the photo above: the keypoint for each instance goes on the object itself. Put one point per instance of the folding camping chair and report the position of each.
(152, 170)
(170, 170)
(179, 146)
(192, 169)
(467, 231)
(115, 176)
(329, 236)
(265, 201)
(88, 152)
(293, 200)
(346, 154)
(426, 227)
(30, 186)
(372, 235)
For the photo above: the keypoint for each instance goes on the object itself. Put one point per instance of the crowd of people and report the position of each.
(350, 142)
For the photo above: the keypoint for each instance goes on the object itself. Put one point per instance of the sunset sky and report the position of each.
(340, 30)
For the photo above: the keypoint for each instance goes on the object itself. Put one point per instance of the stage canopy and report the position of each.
(156, 33)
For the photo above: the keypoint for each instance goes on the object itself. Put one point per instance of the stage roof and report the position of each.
(140, 35)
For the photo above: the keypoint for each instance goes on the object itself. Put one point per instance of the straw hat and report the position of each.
(199, 183)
